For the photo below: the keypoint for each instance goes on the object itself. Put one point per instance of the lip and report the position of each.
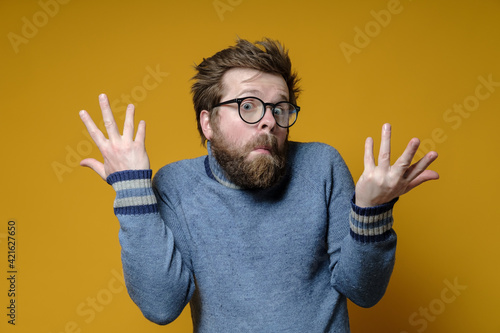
(262, 149)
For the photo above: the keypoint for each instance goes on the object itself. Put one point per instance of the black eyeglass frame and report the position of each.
(272, 105)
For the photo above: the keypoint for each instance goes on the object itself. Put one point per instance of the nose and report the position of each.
(268, 122)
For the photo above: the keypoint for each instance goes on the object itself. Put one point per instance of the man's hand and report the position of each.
(383, 183)
(120, 152)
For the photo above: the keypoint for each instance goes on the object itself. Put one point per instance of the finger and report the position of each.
(384, 156)
(403, 163)
(93, 130)
(423, 177)
(416, 169)
(95, 165)
(128, 127)
(107, 117)
(140, 137)
(369, 160)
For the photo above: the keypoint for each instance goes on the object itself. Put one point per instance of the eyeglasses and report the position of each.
(253, 109)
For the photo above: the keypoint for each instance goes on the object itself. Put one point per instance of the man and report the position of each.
(262, 234)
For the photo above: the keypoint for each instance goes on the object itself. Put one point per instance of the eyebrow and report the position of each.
(257, 93)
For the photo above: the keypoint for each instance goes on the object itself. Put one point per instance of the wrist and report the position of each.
(134, 192)
(372, 206)
(125, 175)
(371, 224)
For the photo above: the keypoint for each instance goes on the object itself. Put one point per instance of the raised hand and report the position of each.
(383, 183)
(120, 152)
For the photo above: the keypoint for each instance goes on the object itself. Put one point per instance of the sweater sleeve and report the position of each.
(361, 243)
(157, 279)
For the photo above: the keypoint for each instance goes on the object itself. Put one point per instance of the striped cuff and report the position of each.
(134, 192)
(371, 224)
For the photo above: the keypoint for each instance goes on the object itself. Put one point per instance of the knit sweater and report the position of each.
(283, 259)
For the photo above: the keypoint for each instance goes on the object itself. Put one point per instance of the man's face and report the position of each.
(253, 155)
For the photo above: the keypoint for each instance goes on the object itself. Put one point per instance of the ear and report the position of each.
(205, 124)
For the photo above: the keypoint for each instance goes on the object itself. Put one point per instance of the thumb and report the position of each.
(95, 165)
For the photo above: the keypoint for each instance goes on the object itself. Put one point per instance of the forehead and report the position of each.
(244, 81)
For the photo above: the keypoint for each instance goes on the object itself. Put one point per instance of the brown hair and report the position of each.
(267, 56)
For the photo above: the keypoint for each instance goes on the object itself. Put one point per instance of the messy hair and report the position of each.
(268, 56)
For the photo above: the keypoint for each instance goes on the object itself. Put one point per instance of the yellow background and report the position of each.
(414, 67)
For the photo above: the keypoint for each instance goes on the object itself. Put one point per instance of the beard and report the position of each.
(263, 171)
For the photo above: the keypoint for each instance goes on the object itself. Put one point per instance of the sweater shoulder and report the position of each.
(314, 155)
(180, 174)
(319, 164)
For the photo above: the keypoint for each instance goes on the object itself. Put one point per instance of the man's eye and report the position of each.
(247, 106)
(278, 111)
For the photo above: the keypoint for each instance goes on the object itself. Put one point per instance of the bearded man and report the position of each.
(261, 234)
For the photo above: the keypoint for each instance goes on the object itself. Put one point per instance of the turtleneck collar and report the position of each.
(217, 171)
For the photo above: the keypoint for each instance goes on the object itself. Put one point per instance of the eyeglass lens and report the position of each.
(252, 110)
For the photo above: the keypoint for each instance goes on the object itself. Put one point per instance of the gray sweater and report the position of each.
(282, 259)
